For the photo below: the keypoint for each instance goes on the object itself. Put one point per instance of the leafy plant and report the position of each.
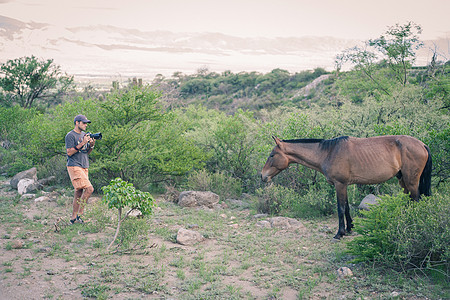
(405, 234)
(220, 183)
(120, 194)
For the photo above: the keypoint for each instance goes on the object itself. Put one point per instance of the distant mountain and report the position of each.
(108, 51)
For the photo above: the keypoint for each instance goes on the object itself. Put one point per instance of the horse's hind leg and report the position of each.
(410, 184)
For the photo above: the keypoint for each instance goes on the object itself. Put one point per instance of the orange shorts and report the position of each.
(79, 177)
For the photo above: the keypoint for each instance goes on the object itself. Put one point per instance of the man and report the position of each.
(78, 147)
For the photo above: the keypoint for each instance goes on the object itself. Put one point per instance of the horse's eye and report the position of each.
(271, 155)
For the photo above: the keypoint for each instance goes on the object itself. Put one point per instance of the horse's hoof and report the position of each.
(335, 240)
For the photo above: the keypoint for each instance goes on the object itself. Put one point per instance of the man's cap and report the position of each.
(81, 118)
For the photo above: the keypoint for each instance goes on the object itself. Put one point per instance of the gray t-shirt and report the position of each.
(79, 159)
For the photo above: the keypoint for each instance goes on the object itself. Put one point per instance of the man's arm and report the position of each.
(71, 151)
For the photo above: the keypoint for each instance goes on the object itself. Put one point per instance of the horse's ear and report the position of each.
(277, 140)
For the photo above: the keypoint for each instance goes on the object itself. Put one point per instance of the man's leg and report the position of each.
(76, 203)
(84, 199)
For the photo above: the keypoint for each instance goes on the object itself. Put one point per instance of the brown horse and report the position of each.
(349, 160)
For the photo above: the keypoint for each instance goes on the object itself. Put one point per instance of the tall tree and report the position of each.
(27, 79)
(398, 46)
(389, 56)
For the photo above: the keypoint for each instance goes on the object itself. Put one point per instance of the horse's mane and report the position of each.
(324, 144)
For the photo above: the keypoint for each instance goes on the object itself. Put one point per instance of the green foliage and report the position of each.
(28, 79)
(243, 90)
(233, 146)
(404, 234)
(398, 46)
(134, 233)
(120, 194)
(315, 201)
(220, 183)
(384, 62)
(12, 120)
(140, 140)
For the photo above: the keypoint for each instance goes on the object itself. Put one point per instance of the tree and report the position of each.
(27, 79)
(389, 56)
(398, 46)
(120, 194)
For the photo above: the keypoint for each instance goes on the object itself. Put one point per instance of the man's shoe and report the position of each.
(77, 220)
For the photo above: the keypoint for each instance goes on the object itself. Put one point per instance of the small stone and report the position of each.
(344, 272)
(17, 244)
(42, 199)
(188, 237)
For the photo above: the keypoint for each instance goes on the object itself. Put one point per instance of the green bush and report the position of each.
(403, 234)
(279, 200)
(121, 195)
(271, 198)
(220, 183)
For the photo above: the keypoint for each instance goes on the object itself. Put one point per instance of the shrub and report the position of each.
(404, 234)
(279, 200)
(271, 198)
(120, 194)
(220, 183)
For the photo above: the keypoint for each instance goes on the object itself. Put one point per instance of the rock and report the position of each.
(30, 174)
(17, 244)
(285, 223)
(279, 222)
(42, 199)
(367, 201)
(26, 186)
(197, 198)
(46, 181)
(136, 214)
(188, 237)
(27, 196)
(395, 294)
(263, 224)
(344, 272)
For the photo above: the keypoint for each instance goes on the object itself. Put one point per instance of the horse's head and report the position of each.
(276, 162)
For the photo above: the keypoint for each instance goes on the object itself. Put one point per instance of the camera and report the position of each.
(95, 136)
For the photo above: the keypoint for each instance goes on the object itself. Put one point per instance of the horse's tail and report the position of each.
(425, 178)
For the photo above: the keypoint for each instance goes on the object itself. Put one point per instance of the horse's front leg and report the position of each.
(342, 204)
(348, 218)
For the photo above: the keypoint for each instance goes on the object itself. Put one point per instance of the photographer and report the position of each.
(78, 147)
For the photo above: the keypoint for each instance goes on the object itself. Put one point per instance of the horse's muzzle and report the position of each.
(265, 178)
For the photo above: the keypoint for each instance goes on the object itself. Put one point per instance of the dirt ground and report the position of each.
(237, 260)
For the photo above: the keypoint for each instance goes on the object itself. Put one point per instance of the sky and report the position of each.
(352, 19)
